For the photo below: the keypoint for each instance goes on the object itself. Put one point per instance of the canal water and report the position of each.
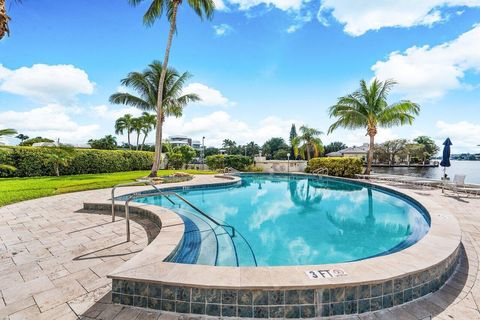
(469, 168)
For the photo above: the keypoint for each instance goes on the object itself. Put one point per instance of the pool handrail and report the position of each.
(138, 182)
(134, 196)
(320, 171)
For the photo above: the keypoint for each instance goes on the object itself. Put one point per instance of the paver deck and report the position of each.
(54, 258)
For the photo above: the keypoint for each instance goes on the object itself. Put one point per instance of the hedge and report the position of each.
(31, 161)
(337, 166)
(221, 161)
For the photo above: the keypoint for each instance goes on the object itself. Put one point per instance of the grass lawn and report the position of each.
(19, 189)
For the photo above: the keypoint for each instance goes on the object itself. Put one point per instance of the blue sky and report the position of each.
(259, 65)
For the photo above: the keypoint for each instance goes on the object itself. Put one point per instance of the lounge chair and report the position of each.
(458, 184)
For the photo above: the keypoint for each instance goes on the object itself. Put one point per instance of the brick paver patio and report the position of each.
(54, 258)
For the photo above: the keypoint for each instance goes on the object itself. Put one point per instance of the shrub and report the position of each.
(175, 160)
(220, 161)
(32, 162)
(7, 170)
(252, 168)
(29, 142)
(337, 166)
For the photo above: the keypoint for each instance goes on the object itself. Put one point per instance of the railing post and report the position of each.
(113, 204)
(127, 218)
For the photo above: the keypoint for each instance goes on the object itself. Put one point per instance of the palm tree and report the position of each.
(368, 108)
(4, 19)
(149, 122)
(155, 10)
(145, 83)
(137, 126)
(22, 137)
(310, 141)
(124, 124)
(7, 132)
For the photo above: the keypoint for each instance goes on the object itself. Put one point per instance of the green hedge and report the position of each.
(31, 162)
(220, 161)
(337, 166)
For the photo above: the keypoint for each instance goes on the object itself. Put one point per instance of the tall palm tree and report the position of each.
(7, 132)
(4, 18)
(155, 11)
(149, 122)
(137, 126)
(368, 108)
(124, 125)
(308, 142)
(145, 84)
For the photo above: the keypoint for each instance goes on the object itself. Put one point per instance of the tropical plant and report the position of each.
(293, 135)
(137, 127)
(21, 137)
(31, 141)
(334, 147)
(155, 11)
(7, 132)
(108, 142)
(149, 122)
(368, 108)
(271, 146)
(4, 18)
(252, 149)
(59, 156)
(389, 150)
(230, 146)
(308, 143)
(431, 147)
(187, 152)
(146, 85)
(124, 125)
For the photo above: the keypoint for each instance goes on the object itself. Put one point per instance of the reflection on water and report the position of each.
(290, 221)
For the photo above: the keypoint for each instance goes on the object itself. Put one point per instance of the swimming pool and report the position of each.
(286, 220)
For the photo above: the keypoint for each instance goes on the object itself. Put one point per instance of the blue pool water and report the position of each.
(283, 220)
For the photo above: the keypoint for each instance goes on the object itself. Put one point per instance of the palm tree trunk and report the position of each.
(138, 139)
(158, 133)
(370, 152)
(308, 152)
(4, 18)
(143, 141)
(128, 139)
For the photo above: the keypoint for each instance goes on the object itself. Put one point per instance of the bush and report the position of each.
(7, 170)
(175, 160)
(29, 142)
(32, 162)
(220, 161)
(340, 167)
(252, 168)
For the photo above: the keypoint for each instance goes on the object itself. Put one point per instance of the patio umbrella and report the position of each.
(446, 156)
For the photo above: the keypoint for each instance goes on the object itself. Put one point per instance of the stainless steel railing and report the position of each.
(321, 170)
(166, 195)
(139, 182)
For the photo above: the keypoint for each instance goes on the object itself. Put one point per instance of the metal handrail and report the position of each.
(321, 170)
(166, 194)
(149, 182)
(230, 169)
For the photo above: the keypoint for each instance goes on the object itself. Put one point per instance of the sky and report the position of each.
(258, 65)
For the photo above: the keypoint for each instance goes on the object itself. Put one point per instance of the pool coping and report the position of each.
(442, 240)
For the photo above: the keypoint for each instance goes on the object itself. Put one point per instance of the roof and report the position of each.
(351, 150)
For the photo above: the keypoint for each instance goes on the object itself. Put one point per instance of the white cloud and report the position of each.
(429, 72)
(465, 135)
(359, 17)
(51, 121)
(209, 96)
(299, 21)
(220, 5)
(46, 83)
(220, 125)
(222, 29)
(284, 5)
(111, 113)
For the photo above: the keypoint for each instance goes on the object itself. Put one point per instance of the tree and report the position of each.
(155, 11)
(108, 142)
(31, 141)
(124, 125)
(392, 148)
(211, 151)
(413, 152)
(230, 146)
(146, 85)
(137, 126)
(310, 142)
(368, 108)
(431, 147)
(334, 147)
(252, 148)
(280, 155)
(187, 152)
(271, 146)
(293, 135)
(59, 156)
(7, 132)
(149, 122)
(4, 18)
(21, 137)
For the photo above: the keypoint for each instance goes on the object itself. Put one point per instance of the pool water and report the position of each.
(283, 220)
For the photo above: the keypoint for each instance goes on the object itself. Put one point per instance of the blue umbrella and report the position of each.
(446, 156)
